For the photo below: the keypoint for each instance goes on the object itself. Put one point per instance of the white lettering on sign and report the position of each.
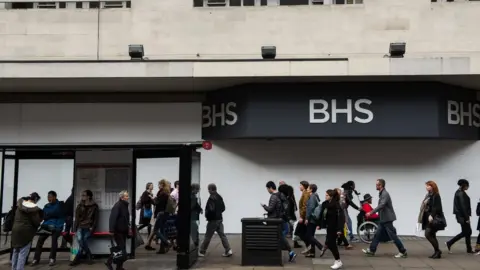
(463, 113)
(322, 111)
(219, 114)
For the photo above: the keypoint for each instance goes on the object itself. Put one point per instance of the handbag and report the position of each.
(118, 254)
(147, 213)
(439, 222)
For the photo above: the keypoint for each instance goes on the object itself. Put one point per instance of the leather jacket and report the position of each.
(461, 206)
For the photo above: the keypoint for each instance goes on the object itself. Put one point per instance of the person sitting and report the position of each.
(367, 208)
(53, 221)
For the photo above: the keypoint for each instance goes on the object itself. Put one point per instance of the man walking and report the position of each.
(213, 213)
(311, 221)
(119, 227)
(276, 209)
(387, 217)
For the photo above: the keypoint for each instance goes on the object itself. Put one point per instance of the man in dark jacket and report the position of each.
(462, 210)
(26, 221)
(86, 219)
(311, 221)
(349, 189)
(53, 221)
(196, 210)
(213, 213)
(119, 227)
(276, 209)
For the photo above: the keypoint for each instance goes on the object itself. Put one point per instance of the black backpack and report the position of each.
(7, 225)
(283, 205)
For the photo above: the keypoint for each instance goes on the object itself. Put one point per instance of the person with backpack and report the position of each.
(312, 221)
(53, 221)
(287, 190)
(25, 219)
(277, 208)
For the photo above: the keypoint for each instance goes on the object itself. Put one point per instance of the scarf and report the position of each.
(422, 208)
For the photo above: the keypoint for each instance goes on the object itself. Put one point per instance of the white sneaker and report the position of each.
(337, 265)
(228, 253)
(478, 253)
(306, 250)
(200, 254)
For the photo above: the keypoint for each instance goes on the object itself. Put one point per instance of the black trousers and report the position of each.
(53, 248)
(332, 243)
(431, 235)
(301, 232)
(311, 240)
(121, 242)
(467, 233)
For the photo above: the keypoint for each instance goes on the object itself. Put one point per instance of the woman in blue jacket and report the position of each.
(53, 221)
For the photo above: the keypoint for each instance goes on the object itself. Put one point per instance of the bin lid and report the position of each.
(257, 219)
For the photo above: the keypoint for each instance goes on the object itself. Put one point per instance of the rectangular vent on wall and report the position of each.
(216, 3)
(113, 4)
(47, 5)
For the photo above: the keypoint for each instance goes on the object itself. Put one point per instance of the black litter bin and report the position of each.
(261, 245)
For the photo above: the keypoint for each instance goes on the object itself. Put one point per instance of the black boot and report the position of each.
(437, 255)
(89, 258)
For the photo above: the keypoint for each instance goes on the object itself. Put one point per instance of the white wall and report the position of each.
(241, 169)
(174, 29)
(70, 123)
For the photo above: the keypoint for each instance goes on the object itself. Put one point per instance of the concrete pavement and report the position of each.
(418, 250)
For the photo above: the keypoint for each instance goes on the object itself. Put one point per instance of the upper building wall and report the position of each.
(172, 29)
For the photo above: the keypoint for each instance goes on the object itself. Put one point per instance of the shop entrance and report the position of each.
(107, 169)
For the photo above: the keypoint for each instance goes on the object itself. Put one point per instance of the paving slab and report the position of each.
(418, 251)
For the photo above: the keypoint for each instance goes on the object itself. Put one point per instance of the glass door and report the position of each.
(41, 171)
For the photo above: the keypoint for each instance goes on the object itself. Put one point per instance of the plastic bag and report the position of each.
(418, 231)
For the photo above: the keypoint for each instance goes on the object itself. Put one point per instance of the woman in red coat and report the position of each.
(367, 207)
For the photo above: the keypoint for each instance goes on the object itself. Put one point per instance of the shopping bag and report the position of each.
(118, 254)
(418, 231)
(345, 230)
(74, 248)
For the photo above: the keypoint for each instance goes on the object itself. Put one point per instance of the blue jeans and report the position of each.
(159, 227)
(19, 257)
(386, 228)
(349, 226)
(283, 240)
(82, 236)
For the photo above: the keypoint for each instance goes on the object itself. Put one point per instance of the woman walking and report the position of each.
(25, 223)
(335, 221)
(146, 211)
(431, 217)
(462, 210)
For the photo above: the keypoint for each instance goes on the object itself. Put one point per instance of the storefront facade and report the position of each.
(327, 134)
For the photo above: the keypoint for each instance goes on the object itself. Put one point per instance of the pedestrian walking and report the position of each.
(463, 211)
(385, 225)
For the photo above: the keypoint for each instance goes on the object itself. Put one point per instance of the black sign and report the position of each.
(340, 110)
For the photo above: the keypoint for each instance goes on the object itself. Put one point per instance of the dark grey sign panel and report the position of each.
(357, 110)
